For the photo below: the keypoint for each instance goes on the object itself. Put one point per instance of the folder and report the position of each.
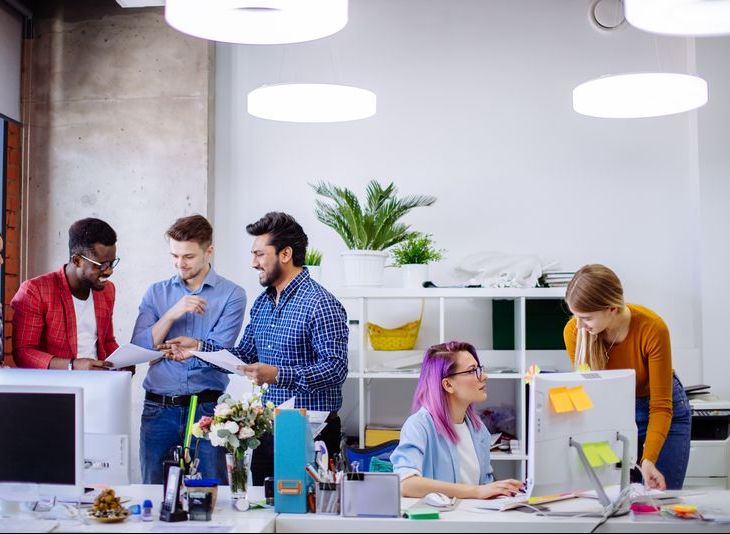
(293, 450)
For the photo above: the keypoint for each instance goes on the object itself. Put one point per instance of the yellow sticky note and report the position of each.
(593, 455)
(606, 452)
(560, 400)
(580, 398)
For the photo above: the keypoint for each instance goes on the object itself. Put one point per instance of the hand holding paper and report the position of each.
(222, 358)
(129, 355)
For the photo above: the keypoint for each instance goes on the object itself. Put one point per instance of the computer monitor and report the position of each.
(42, 441)
(557, 461)
(107, 407)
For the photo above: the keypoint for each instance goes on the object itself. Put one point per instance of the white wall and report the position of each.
(714, 161)
(11, 42)
(474, 106)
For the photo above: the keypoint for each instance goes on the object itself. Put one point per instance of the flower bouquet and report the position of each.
(238, 426)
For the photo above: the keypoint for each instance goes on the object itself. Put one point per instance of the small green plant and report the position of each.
(372, 226)
(417, 249)
(312, 257)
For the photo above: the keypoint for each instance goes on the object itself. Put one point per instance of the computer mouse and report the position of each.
(439, 500)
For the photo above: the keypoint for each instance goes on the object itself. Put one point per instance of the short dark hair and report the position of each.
(193, 228)
(285, 232)
(84, 234)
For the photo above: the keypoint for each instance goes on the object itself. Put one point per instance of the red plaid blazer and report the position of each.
(44, 321)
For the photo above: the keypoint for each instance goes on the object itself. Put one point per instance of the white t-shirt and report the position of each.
(86, 334)
(468, 462)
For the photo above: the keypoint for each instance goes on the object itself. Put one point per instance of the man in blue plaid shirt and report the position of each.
(297, 338)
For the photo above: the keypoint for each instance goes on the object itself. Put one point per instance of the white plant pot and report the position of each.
(315, 273)
(414, 275)
(364, 267)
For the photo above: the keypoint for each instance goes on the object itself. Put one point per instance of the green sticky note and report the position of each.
(607, 454)
(593, 455)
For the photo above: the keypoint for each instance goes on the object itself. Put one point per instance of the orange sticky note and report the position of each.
(580, 398)
(560, 400)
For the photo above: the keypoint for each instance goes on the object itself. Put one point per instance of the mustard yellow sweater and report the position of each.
(648, 351)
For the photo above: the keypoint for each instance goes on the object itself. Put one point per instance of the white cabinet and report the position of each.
(367, 366)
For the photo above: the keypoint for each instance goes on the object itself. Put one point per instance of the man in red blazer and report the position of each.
(63, 319)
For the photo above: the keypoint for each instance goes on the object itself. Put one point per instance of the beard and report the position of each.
(272, 276)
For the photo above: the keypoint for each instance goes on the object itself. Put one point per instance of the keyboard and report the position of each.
(502, 504)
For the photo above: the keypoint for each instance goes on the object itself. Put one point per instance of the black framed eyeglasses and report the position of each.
(104, 265)
(477, 371)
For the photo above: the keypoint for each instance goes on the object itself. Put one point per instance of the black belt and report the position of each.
(183, 400)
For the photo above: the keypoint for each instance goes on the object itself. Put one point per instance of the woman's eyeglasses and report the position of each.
(477, 371)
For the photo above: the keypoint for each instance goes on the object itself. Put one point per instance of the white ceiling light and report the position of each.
(311, 102)
(627, 96)
(257, 21)
(679, 17)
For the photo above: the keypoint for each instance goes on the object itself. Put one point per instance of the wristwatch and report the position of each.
(71, 365)
(200, 345)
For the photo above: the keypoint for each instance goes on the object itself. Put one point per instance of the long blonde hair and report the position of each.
(594, 288)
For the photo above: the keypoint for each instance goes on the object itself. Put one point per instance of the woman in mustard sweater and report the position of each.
(606, 333)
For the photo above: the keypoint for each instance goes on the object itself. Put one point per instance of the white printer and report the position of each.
(709, 458)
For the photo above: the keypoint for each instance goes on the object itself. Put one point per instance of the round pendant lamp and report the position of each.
(257, 21)
(628, 96)
(311, 102)
(679, 17)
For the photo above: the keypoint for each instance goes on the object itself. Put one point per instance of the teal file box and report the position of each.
(293, 449)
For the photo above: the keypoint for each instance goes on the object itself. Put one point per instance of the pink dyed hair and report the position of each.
(438, 362)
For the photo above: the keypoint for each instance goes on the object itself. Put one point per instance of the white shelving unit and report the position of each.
(520, 357)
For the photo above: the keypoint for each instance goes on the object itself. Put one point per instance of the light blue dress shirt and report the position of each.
(423, 451)
(220, 324)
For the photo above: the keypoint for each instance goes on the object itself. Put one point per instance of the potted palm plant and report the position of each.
(313, 261)
(369, 229)
(413, 256)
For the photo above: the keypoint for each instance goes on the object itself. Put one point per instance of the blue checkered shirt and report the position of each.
(305, 336)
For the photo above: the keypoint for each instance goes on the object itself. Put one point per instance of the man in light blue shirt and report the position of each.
(198, 303)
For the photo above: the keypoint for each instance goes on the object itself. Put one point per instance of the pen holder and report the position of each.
(328, 498)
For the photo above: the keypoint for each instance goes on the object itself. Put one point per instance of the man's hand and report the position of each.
(187, 304)
(653, 479)
(87, 364)
(180, 342)
(260, 373)
(178, 354)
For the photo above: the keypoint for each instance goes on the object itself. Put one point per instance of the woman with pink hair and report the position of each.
(444, 446)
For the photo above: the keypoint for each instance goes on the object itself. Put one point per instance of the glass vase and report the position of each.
(239, 473)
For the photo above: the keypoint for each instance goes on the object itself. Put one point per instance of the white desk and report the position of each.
(224, 514)
(463, 520)
(460, 520)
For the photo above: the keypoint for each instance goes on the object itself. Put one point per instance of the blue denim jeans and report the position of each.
(162, 429)
(674, 456)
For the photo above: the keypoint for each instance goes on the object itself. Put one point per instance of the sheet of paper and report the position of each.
(287, 404)
(580, 398)
(560, 400)
(223, 359)
(128, 355)
(607, 454)
(593, 455)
